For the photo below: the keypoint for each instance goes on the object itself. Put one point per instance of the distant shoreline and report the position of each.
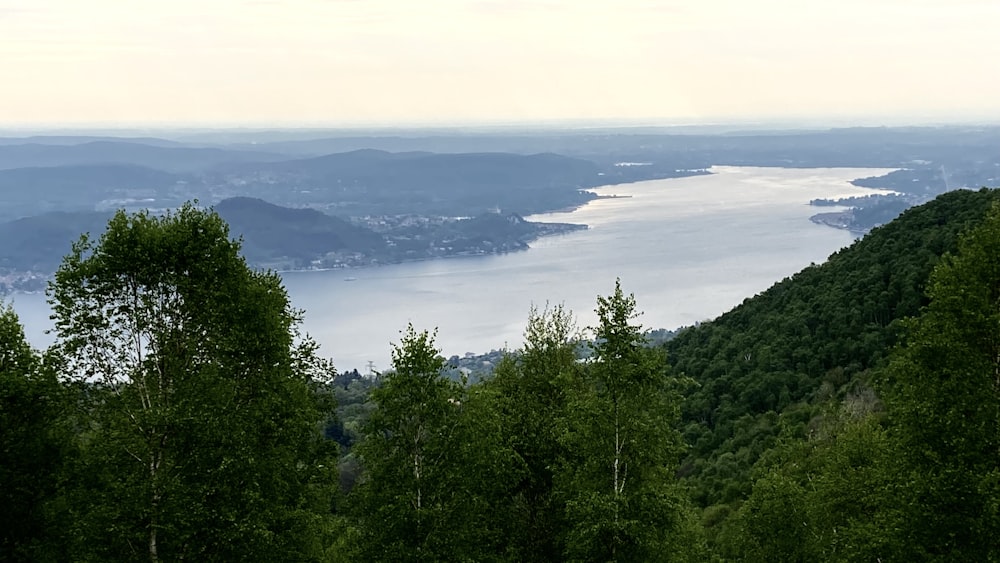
(833, 220)
(572, 208)
(569, 228)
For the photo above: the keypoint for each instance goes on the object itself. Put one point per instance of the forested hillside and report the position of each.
(849, 413)
(766, 368)
(906, 470)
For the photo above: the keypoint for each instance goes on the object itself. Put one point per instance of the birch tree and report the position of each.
(531, 388)
(203, 440)
(404, 500)
(622, 500)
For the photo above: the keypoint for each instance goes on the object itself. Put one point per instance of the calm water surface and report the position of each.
(688, 248)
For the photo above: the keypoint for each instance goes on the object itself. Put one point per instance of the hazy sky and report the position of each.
(328, 62)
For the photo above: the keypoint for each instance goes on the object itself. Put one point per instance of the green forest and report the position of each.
(850, 412)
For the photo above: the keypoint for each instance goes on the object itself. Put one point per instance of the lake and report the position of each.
(688, 248)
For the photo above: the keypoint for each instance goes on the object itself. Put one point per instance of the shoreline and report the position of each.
(572, 208)
(567, 229)
(347, 268)
(344, 331)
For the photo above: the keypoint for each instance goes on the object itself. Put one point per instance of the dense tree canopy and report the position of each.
(914, 479)
(766, 366)
(944, 398)
(201, 438)
(531, 389)
(432, 465)
(32, 443)
(622, 499)
(849, 413)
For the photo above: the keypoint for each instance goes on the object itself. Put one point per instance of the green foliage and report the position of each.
(825, 499)
(549, 460)
(617, 479)
(530, 389)
(944, 398)
(764, 366)
(197, 416)
(427, 458)
(918, 482)
(201, 437)
(33, 444)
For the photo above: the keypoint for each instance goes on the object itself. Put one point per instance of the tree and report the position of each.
(811, 334)
(943, 390)
(32, 445)
(433, 464)
(530, 388)
(622, 499)
(203, 439)
(405, 502)
(829, 498)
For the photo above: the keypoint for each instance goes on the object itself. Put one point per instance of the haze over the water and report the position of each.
(399, 62)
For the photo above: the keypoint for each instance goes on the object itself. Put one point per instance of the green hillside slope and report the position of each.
(764, 368)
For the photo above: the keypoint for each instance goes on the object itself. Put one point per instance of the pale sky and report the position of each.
(386, 62)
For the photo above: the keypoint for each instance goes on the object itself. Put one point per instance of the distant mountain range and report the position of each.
(166, 156)
(438, 174)
(377, 182)
(99, 175)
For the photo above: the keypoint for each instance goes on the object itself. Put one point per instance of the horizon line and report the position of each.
(498, 126)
